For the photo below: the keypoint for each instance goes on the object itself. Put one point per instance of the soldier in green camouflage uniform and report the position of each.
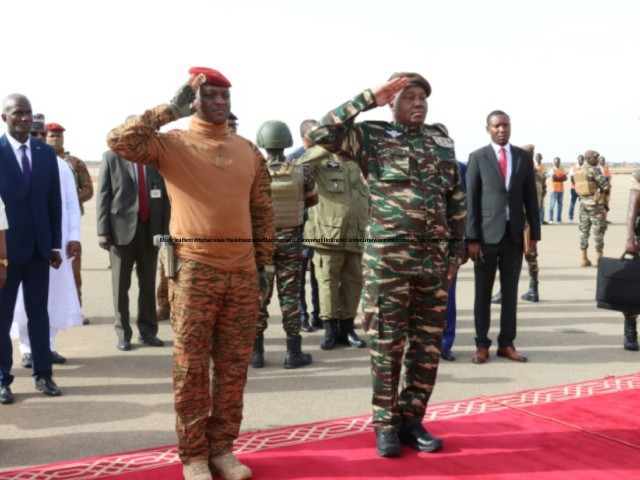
(531, 257)
(593, 209)
(632, 247)
(335, 229)
(412, 248)
(293, 189)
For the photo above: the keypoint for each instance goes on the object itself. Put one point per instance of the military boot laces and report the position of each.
(229, 467)
(196, 471)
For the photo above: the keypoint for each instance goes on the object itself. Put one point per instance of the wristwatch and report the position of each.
(4, 262)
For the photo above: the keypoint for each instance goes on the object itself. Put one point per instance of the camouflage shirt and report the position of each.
(418, 209)
(84, 184)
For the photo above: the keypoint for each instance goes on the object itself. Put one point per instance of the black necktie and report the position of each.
(26, 167)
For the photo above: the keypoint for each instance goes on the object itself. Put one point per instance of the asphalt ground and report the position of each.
(116, 401)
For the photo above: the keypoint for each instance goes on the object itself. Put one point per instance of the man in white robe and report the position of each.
(64, 307)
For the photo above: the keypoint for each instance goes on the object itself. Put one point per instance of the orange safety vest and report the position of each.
(557, 173)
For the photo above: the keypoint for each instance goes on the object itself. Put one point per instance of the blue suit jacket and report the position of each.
(34, 214)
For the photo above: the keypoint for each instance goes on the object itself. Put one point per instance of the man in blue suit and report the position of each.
(30, 188)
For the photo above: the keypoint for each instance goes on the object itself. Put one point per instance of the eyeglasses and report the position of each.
(38, 134)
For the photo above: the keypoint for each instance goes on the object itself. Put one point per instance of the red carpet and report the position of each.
(589, 430)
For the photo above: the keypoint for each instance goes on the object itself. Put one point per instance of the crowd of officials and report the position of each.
(378, 213)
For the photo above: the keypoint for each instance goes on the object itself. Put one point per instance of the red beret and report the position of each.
(54, 127)
(213, 77)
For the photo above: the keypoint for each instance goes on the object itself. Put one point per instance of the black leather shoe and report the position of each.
(57, 358)
(124, 345)
(415, 436)
(448, 355)
(388, 443)
(6, 397)
(47, 386)
(26, 361)
(151, 340)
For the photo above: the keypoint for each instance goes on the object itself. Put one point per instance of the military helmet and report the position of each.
(274, 134)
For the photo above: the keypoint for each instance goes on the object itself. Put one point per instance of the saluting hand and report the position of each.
(386, 92)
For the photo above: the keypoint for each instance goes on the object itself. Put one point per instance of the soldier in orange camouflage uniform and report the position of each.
(220, 194)
(84, 186)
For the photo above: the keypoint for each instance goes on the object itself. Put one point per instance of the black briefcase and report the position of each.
(618, 285)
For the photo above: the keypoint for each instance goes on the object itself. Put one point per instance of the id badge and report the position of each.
(156, 193)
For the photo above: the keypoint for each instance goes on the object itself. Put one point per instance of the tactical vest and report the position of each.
(287, 191)
(584, 187)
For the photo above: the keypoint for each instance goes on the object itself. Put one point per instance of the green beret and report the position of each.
(415, 79)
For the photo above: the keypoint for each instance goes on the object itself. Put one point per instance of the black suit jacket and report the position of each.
(487, 197)
(117, 200)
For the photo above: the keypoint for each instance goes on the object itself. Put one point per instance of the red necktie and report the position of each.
(142, 194)
(502, 161)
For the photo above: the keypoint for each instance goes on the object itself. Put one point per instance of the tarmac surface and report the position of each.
(116, 401)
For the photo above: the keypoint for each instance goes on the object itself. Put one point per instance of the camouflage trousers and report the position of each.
(213, 315)
(400, 309)
(592, 214)
(287, 261)
(339, 275)
(532, 262)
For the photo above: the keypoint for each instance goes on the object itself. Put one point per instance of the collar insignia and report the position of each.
(393, 133)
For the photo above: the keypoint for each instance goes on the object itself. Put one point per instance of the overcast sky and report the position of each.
(567, 72)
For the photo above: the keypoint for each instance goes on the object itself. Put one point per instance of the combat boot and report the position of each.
(585, 262)
(257, 357)
(330, 334)
(295, 356)
(598, 257)
(197, 470)
(229, 467)
(532, 294)
(497, 298)
(630, 333)
(347, 335)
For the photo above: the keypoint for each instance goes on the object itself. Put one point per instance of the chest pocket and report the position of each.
(334, 177)
(394, 166)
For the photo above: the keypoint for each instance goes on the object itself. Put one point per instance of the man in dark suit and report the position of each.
(30, 188)
(500, 189)
(130, 212)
